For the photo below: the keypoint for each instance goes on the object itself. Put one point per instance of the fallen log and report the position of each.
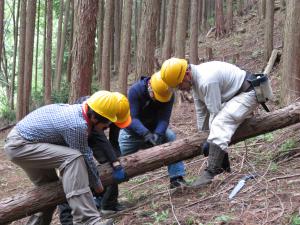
(38, 198)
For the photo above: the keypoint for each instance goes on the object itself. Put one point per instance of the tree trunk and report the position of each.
(200, 2)
(162, 23)
(117, 25)
(48, 54)
(290, 85)
(262, 7)
(22, 38)
(181, 27)
(16, 25)
(194, 26)
(62, 47)
(157, 31)
(30, 27)
(229, 16)
(125, 47)
(147, 38)
(1, 27)
(220, 28)
(204, 16)
(138, 163)
(269, 25)
(69, 65)
(240, 7)
(167, 46)
(37, 46)
(83, 48)
(44, 45)
(107, 30)
(100, 17)
(58, 42)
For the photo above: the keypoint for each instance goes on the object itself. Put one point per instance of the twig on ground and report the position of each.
(172, 207)
(284, 177)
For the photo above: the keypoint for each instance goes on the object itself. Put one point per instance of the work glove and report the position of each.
(205, 148)
(149, 138)
(158, 139)
(119, 174)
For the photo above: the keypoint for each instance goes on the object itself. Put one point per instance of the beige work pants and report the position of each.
(233, 113)
(39, 161)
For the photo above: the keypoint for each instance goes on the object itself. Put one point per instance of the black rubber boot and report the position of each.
(176, 182)
(215, 161)
(41, 218)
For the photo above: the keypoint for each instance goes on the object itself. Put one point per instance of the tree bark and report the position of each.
(49, 195)
(117, 33)
(147, 38)
(1, 27)
(44, 45)
(37, 46)
(200, 2)
(48, 54)
(125, 46)
(290, 85)
(181, 27)
(100, 17)
(60, 59)
(204, 16)
(16, 25)
(162, 23)
(21, 63)
(83, 48)
(229, 16)
(30, 26)
(240, 7)
(269, 26)
(194, 25)
(220, 28)
(58, 42)
(262, 8)
(107, 30)
(69, 65)
(167, 46)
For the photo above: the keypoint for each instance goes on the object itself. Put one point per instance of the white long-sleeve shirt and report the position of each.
(213, 84)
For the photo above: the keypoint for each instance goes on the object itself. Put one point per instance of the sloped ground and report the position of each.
(271, 198)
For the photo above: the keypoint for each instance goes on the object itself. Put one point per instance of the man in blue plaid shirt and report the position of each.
(56, 137)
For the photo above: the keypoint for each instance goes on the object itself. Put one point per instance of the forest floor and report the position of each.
(271, 198)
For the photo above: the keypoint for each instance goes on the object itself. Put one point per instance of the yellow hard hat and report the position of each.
(123, 113)
(173, 71)
(160, 89)
(104, 103)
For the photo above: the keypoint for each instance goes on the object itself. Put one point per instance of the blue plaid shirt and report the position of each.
(61, 124)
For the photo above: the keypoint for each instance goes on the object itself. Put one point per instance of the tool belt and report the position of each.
(260, 83)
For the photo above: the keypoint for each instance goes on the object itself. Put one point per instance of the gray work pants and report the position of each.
(39, 161)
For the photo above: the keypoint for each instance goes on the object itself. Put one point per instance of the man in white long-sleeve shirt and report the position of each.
(223, 99)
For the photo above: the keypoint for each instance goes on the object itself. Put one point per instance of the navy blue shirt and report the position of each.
(146, 113)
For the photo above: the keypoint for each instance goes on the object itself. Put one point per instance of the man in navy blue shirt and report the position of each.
(151, 103)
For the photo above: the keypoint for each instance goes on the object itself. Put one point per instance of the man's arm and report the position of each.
(135, 108)
(102, 148)
(202, 115)
(212, 99)
(164, 114)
